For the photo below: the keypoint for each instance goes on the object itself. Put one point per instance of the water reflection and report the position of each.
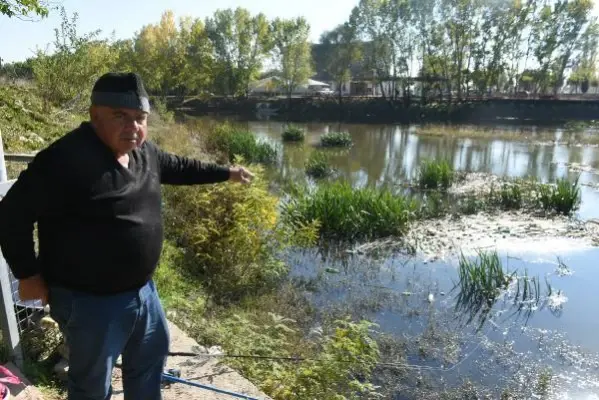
(396, 294)
(390, 155)
(415, 302)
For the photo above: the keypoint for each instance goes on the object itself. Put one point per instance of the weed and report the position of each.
(435, 175)
(318, 165)
(510, 197)
(347, 213)
(293, 134)
(336, 139)
(562, 198)
(234, 142)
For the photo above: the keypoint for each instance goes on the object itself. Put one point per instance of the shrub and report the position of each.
(435, 175)
(231, 232)
(346, 213)
(233, 142)
(336, 139)
(345, 362)
(293, 134)
(318, 165)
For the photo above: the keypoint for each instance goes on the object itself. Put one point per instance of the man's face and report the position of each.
(121, 129)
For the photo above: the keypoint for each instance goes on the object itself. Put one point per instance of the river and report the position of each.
(412, 299)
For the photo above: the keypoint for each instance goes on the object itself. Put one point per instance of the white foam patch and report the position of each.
(543, 246)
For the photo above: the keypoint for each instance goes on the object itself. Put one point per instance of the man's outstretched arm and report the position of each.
(179, 170)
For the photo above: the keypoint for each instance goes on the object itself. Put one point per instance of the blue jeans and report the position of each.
(98, 329)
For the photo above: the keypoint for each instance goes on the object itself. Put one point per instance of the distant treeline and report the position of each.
(453, 47)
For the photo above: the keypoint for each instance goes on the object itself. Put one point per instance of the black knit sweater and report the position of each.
(99, 223)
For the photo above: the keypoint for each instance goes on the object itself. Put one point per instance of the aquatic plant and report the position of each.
(318, 165)
(293, 134)
(562, 198)
(435, 174)
(336, 139)
(233, 142)
(510, 197)
(348, 213)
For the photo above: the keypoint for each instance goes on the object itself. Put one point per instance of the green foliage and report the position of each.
(318, 165)
(293, 134)
(292, 52)
(346, 213)
(24, 123)
(336, 139)
(435, 175)
(161, 109)
(510, 197)
(484, 275)
(341, 49)
(346, 358)
(232, 233)
(562, 198)
(241, 43)
(234, 142)
(67, 75)
(23, 8)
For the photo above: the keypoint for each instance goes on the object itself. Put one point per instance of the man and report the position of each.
(95, 195)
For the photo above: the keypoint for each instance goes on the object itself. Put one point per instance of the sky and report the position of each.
(20, 39)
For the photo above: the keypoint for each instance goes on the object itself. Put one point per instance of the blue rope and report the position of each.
(172, 378)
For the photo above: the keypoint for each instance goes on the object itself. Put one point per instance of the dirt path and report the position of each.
(198, 369)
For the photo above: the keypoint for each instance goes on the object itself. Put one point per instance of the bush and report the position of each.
(318, 166)
(231, 231)
(234, 143)
(346, 213)
(293, 134)
(345, 362)
(435, 175)
(336, 139)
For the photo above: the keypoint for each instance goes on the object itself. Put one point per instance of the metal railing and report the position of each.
(15, 314)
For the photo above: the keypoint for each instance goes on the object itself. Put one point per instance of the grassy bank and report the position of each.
(221, 276)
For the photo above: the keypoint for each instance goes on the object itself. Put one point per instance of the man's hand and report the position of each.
(240, 174)
(33, 288)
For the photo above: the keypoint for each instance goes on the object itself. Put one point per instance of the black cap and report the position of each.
(117, 89)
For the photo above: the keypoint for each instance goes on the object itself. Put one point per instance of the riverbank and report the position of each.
(379, 110)
(229, 276)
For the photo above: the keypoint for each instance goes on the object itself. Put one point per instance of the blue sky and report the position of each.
(19, 39)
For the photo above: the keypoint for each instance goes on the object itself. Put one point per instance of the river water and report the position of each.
(412, 300)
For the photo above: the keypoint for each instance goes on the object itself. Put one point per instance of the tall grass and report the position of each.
(318, 165)
(509, 197)
(336, 139)
(347, 213)
(435, 175)
(293, 134)
(563, 198)
(235, 142)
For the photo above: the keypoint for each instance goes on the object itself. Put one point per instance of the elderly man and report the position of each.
(95, 195)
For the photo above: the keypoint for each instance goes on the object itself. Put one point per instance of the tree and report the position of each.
(197, 74)
(342, 50)
(68, 74)
(241, 43)
(160, 55)
(23, 8)
(292, 52)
